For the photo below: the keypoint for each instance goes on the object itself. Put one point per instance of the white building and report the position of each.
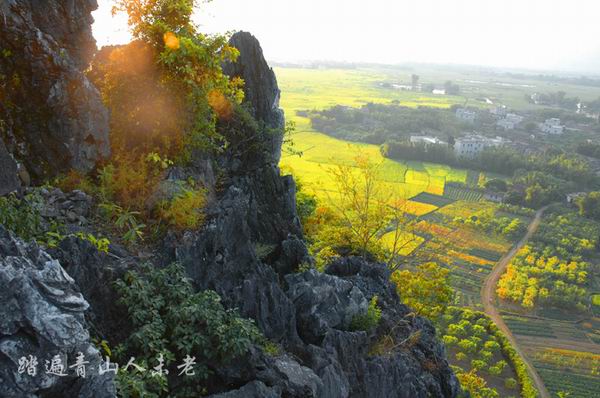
(506, 124)
(424, 139)
(466, 115)
(552, 126)
(510, 122)
(471, 145)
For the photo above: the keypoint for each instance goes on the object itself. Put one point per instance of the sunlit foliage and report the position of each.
(425, 290)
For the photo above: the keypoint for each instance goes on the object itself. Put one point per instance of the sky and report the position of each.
(548, 35)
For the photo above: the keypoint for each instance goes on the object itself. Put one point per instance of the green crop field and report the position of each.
(351, 87)
(574, 372)
(458, 193)
(317, 89)
(529, 327)
(486, 254)
(428, 198)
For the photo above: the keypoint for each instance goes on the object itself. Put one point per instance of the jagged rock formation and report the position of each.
(260, 88)
(41, 316)
(52, 118)
(249, 252)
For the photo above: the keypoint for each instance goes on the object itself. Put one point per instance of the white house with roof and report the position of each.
(552, 126)
(510, 121)
(471, 145)
(424, 139)
(466, 115)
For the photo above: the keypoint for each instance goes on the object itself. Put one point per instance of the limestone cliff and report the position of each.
(52, 118)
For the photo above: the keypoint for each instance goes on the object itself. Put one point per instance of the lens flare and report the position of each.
(171, 41)
(220, 104)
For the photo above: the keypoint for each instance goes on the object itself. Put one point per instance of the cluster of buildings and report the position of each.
(510, 121)
(468, 146)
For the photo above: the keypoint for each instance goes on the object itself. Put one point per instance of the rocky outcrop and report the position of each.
(42, 319)
(52, 117)
(250, 252)
(261, 90)
(9, 180)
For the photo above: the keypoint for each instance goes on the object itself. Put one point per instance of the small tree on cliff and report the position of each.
(166, 92)
(367, 219)
(189, 65)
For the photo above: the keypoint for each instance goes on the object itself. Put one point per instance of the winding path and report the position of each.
(488, 296)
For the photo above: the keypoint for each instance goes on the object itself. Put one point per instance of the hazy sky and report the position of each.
(535, 34)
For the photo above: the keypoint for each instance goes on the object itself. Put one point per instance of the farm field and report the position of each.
(569, 370)
(564, 352)
(309, 88)
(354, 87)
(473, 345)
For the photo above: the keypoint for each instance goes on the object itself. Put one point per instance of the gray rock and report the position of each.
(261, 90)
(43, 316)
(94, 273)
(9, 180)
(255, 389)
(323, 302)
(54, 119)
(308, 314)
(300, 377)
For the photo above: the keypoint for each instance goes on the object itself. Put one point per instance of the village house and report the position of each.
(510, 122)
(471, 145)
(552, 126)
(466, 115)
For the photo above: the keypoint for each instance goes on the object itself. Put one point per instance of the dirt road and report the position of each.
(488, 298)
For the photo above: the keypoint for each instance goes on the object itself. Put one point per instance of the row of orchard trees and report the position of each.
(553, 269)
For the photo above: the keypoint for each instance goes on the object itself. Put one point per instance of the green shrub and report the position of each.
(186, 210)
(450, 340)
(171, 320)
(125, 221)
(370, 319)
(22, 216)
(527, 388)
(102, 244)
(510, 383)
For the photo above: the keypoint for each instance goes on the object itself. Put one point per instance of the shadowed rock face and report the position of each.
(42, 315)
(52, 117)
(9, 182)
(260, 88)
